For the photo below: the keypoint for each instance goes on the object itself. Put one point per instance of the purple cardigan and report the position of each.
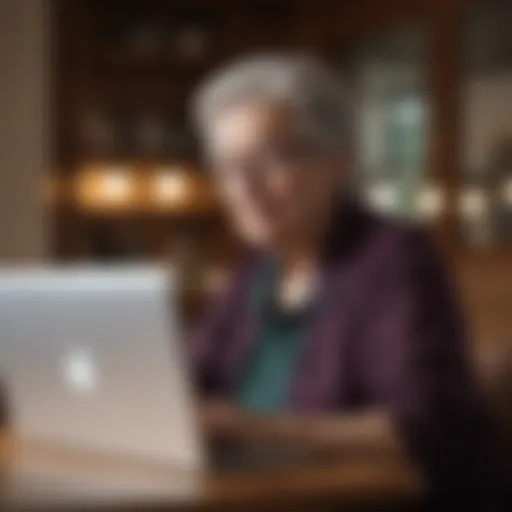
(386, 334)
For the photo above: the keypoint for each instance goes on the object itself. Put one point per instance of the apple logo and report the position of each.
(80, 371)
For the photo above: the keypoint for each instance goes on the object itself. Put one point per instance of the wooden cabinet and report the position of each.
(124, 72)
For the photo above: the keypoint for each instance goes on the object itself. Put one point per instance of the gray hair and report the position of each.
(314, 92)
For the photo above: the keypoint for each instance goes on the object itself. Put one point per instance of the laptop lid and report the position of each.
(91, 358)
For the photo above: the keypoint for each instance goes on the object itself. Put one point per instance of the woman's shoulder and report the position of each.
(403, 239)
(404, 253)
(383, 251)
(367, 235)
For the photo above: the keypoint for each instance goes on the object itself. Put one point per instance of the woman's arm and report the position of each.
(418, 367)
(365, 431)
(369, 431)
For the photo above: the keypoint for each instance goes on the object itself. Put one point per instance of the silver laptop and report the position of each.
(91, 358)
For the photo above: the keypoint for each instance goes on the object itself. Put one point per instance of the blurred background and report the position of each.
(98, 161)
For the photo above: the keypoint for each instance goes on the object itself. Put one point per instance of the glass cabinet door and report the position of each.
(485, 200)
(387, 74)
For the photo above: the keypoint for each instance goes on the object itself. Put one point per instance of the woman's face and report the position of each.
(275, 184)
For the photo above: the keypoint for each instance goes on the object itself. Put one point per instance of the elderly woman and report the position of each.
(340, 329)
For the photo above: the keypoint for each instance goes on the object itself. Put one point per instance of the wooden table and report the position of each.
(43, 478)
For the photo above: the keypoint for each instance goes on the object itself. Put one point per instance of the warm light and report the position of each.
(382, 196)
(105, 187)
(473, 202)
(116, 186)
(431, 201)
(170, 187)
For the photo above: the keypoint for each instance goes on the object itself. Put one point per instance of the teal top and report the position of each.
(265, 386)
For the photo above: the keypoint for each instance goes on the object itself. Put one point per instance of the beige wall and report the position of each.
(23, 130)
